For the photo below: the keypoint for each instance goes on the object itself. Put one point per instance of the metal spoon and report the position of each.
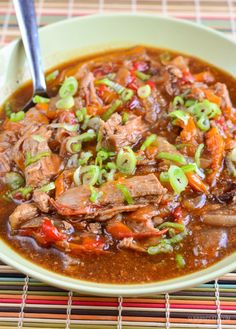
(27, 22)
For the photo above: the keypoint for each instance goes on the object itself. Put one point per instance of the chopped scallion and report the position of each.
(52, 76)
(149, 140)
(180, 261)
(17, 116)
(115, 105)
(179, 158)
(126, 193)
(48, 187)
(65, 103)
(197, 155)
(142, 76)
(68, 88)
(126, 161)
(181, 115)
(40, 100)
(178, 180)
(144, 91)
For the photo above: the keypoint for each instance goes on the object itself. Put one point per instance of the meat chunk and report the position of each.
(7, 138)
(75, 201)
(22, 214)
(115, 135)
(41, 200)
(220, 215)
(130, 243)
(208, 242)
(88, 90)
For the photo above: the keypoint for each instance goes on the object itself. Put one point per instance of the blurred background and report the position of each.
(218, 14)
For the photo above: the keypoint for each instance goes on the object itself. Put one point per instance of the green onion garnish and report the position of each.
(126, 161)
(179, 158)
(203, 123)
(24, 191)
(17, 116)
(178, 100)
(52, 76)
(178, 180)
(180, 262)
(31, 159)
(48, 187)
(127, 94)
(148, 141)
(85, 137)
(164, 177)
(142, 76)
(8, 109)
(68, 88)
(95, 195)
(189, 167)
(125, 117)
(126, 193)
(103, 155)
(84, 158)
(65, 103)
(117, 103)
(66, 126)
(40, 100)
(144, 91)
(14, 180)
(197, 155)
(177, 226)
(165, 57)
(206, 108)
(181, 115)
(162, 247)
(81, 114)
(114, 85)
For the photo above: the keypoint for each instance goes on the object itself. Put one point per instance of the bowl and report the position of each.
(70, 39)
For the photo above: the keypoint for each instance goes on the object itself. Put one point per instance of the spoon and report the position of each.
(26, 18)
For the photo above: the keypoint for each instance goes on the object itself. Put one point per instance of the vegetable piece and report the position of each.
(181, 115)
(52, 76)
(126, 161)
(8, 109)
(68, 88)
(17, 116)
(95, 195)
(162, 247)
(189, 167)
(178, 100)
(172, 157)
(196, 183)
(176, 226)
(127, 94)
(126, 193)
(48, 187)
(142, 76)
(148, 141)
(198, 154)
(14, 180)
(178, 180)
(40, 100)
(31, 159)
(216, 146)
(125, 117)
(164, 177)
(84, 158)
(203, 123)
(165, 57)
(38, 138)
(103, 155)
(114, 85)
(81, 114)
(66, 126)
(115, 105)
(65, 103)
(24, 192)
(50, 232)
(144, 91)
(77, 140)
(180, 262)
(90, 175)
(206, 108)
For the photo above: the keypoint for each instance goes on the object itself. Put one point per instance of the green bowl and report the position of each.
(77, 37)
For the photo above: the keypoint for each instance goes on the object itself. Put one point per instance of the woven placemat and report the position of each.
(28, 303)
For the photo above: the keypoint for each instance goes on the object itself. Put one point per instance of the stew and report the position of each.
(127, 172)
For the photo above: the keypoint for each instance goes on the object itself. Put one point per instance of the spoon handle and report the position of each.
(26, 17)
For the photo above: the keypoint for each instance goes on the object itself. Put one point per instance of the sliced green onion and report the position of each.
(144, 91)
(17, 116)
(31, 159)
(110, 175)
(48, 187)
(190, 102)
(178, 100)
(95, 195)
(142, 76)
(65, 126)
(90, 175)
(125, 117)
(84, 158)
(197, 155)
(165, 57)
(94, 123)
(189, 167)
(24, 191)
(177, 226)
(126, 193)
(52, 76)
(178, 180)
(164, 177)
(181, 115)
(172, 157)
(114, 85)
(81, 114)
(206, 108)
(68, 88)
(126, 161)
(232, 155)
(180, 262)
(162, 247)
(177, 238)
(148, 141)
(103, 155)
(38, 138)
(40, 100)
(8, 109)
(85, 137)
(14, 180)
(115, 105)
(127, 94)
(203, 123)
(65, 103)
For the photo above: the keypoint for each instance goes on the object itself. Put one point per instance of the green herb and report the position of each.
(115, 105)
(126, 193)
(148, 141)
(17, 116)
(126, 161)
(40, 100)
(179, 158)
(31, 159)
(68, 88)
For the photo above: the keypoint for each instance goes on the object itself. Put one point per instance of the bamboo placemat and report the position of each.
(28, 303)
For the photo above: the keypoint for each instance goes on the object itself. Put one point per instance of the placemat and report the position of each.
(28, 303)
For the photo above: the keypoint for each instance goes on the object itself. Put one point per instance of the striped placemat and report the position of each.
(28, 303)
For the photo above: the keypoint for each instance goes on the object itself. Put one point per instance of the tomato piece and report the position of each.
(50, 232)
